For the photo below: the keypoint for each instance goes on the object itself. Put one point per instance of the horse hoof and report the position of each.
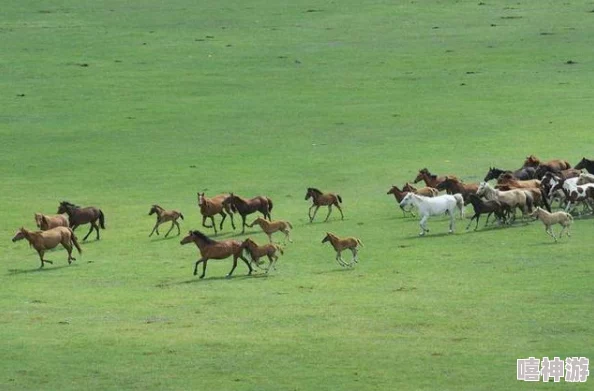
(228, 276)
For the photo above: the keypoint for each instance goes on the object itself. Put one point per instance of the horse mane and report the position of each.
(313, 189)
(66, 203)
(203, 237)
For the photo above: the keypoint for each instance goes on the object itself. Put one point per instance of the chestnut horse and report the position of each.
(555, 165)
(424, 191)
(46, 240)
(270, 227)
(454, 186)
(79, 216)
(212, 249)
(212, 206)
(586, 164)
(399, 195)
(322, 199)
(246, 207)
(164, 216)
(45, 222)
(509, 180)
(430, 179)
(340, 244)
(256, 252)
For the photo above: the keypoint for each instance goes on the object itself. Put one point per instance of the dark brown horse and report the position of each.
(430, 179)
(523, 173)
(586, 164)
(543, 170)
(212, 249)
(322, 199)
(246, 207)
(454, 186)
(555, 165)
(79, 216)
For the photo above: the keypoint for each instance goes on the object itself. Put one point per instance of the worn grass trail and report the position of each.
(125, 104)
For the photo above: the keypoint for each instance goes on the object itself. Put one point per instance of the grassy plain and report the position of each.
(122, 104)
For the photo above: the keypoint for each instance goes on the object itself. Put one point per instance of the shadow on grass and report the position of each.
(342, 270)
(14, 272)
(219, 278)
(163, 238)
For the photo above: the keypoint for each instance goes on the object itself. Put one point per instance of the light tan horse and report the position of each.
(209, 207)
(164, 216)
(509, 180)
(322, 199)
(340, 244)
(516, 198)
(212, 249)
(270, 227)
(256, 252)
(549, 219)
(45, 222)
(46, 240)
(424, 191)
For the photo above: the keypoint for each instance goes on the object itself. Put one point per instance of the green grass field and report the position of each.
(122, 104)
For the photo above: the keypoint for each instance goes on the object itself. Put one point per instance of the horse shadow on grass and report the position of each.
(341, 270)
(14, 272)
(221, 278)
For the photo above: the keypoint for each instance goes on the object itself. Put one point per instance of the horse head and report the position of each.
(19, 235)
(38, 219)
(531, 161)
(327, 237)
(407, 200)
(421, 174)
(481, 189)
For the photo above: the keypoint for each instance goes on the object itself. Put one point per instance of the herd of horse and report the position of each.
(534, 185)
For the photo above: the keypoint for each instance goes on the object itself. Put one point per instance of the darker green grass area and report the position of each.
(124, 104)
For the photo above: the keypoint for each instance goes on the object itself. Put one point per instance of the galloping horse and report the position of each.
(212, 206)
(542, 170)
(399, 195)
(340, 244)
(79, 216)
(270, 227)
(512, 198)
(434, 206)
(46, 240)
(164, 216)
(555, 165)
(585, 164)
(322, 199)
(256, 252)
(44, 222)
(212, 249)
(509, 180)
(424, 191)
(246, 207)
(523, 173)
(430, 179)
(488, 207)
(548, 219)
(454, 186)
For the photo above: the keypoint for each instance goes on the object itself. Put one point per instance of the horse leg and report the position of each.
(311, 218)
(354, 251)
(339, 259)
(452, 220)
(470, 222)
(224, 215)
(170, 228)
(204, 222)
(340, 210)
(97, 229)
(178, 230)
(91, 230)
(422, 224)
(214, 226)
(562, 230)
(68, 247)
(287, 235)
(549, 231)
(246, 262)
(154, 229)
(329, 211)
(269, 237)
(203, 260)
(243, 224)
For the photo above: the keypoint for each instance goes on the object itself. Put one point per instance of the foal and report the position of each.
(549, 219)
(488, 207)
(340, 244)
(212, 249)
(270, 227)
(322, 199)
(44, 222)
(46, 240)
(256, 252)
(164, 216)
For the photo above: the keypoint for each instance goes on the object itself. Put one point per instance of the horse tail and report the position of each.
(567, 164)
(280, 249)
(339, 198)
(360, 242)
(101, 219)
(181, 215)
(529, 201)
(460, 203)
(269, 204)
(544, 200)
(75, 241)
(289, 224)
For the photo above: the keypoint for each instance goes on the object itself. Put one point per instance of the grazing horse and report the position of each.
(430, 179)
(212, 249)
(246, 207)
(480, 206)
(554, 165)
(44, 222)
(322, 199)
(523, 173)
(270, 227)
(209, 207)
(434, 206)
(549, 219)
(256, 252)
(454, 186)
(586, 164)
(164, 216)
(340, 244)
(512, 198)
(79, 216)
(399, 195)
(424, 191)
(46, 240)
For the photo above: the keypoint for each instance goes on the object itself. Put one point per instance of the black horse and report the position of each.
(523, 173)
(587, 164)
(489, 207)
(79, 216)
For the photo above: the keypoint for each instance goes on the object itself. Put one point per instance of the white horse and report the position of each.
(432, 206)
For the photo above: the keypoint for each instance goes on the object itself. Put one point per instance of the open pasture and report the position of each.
(124, 104)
